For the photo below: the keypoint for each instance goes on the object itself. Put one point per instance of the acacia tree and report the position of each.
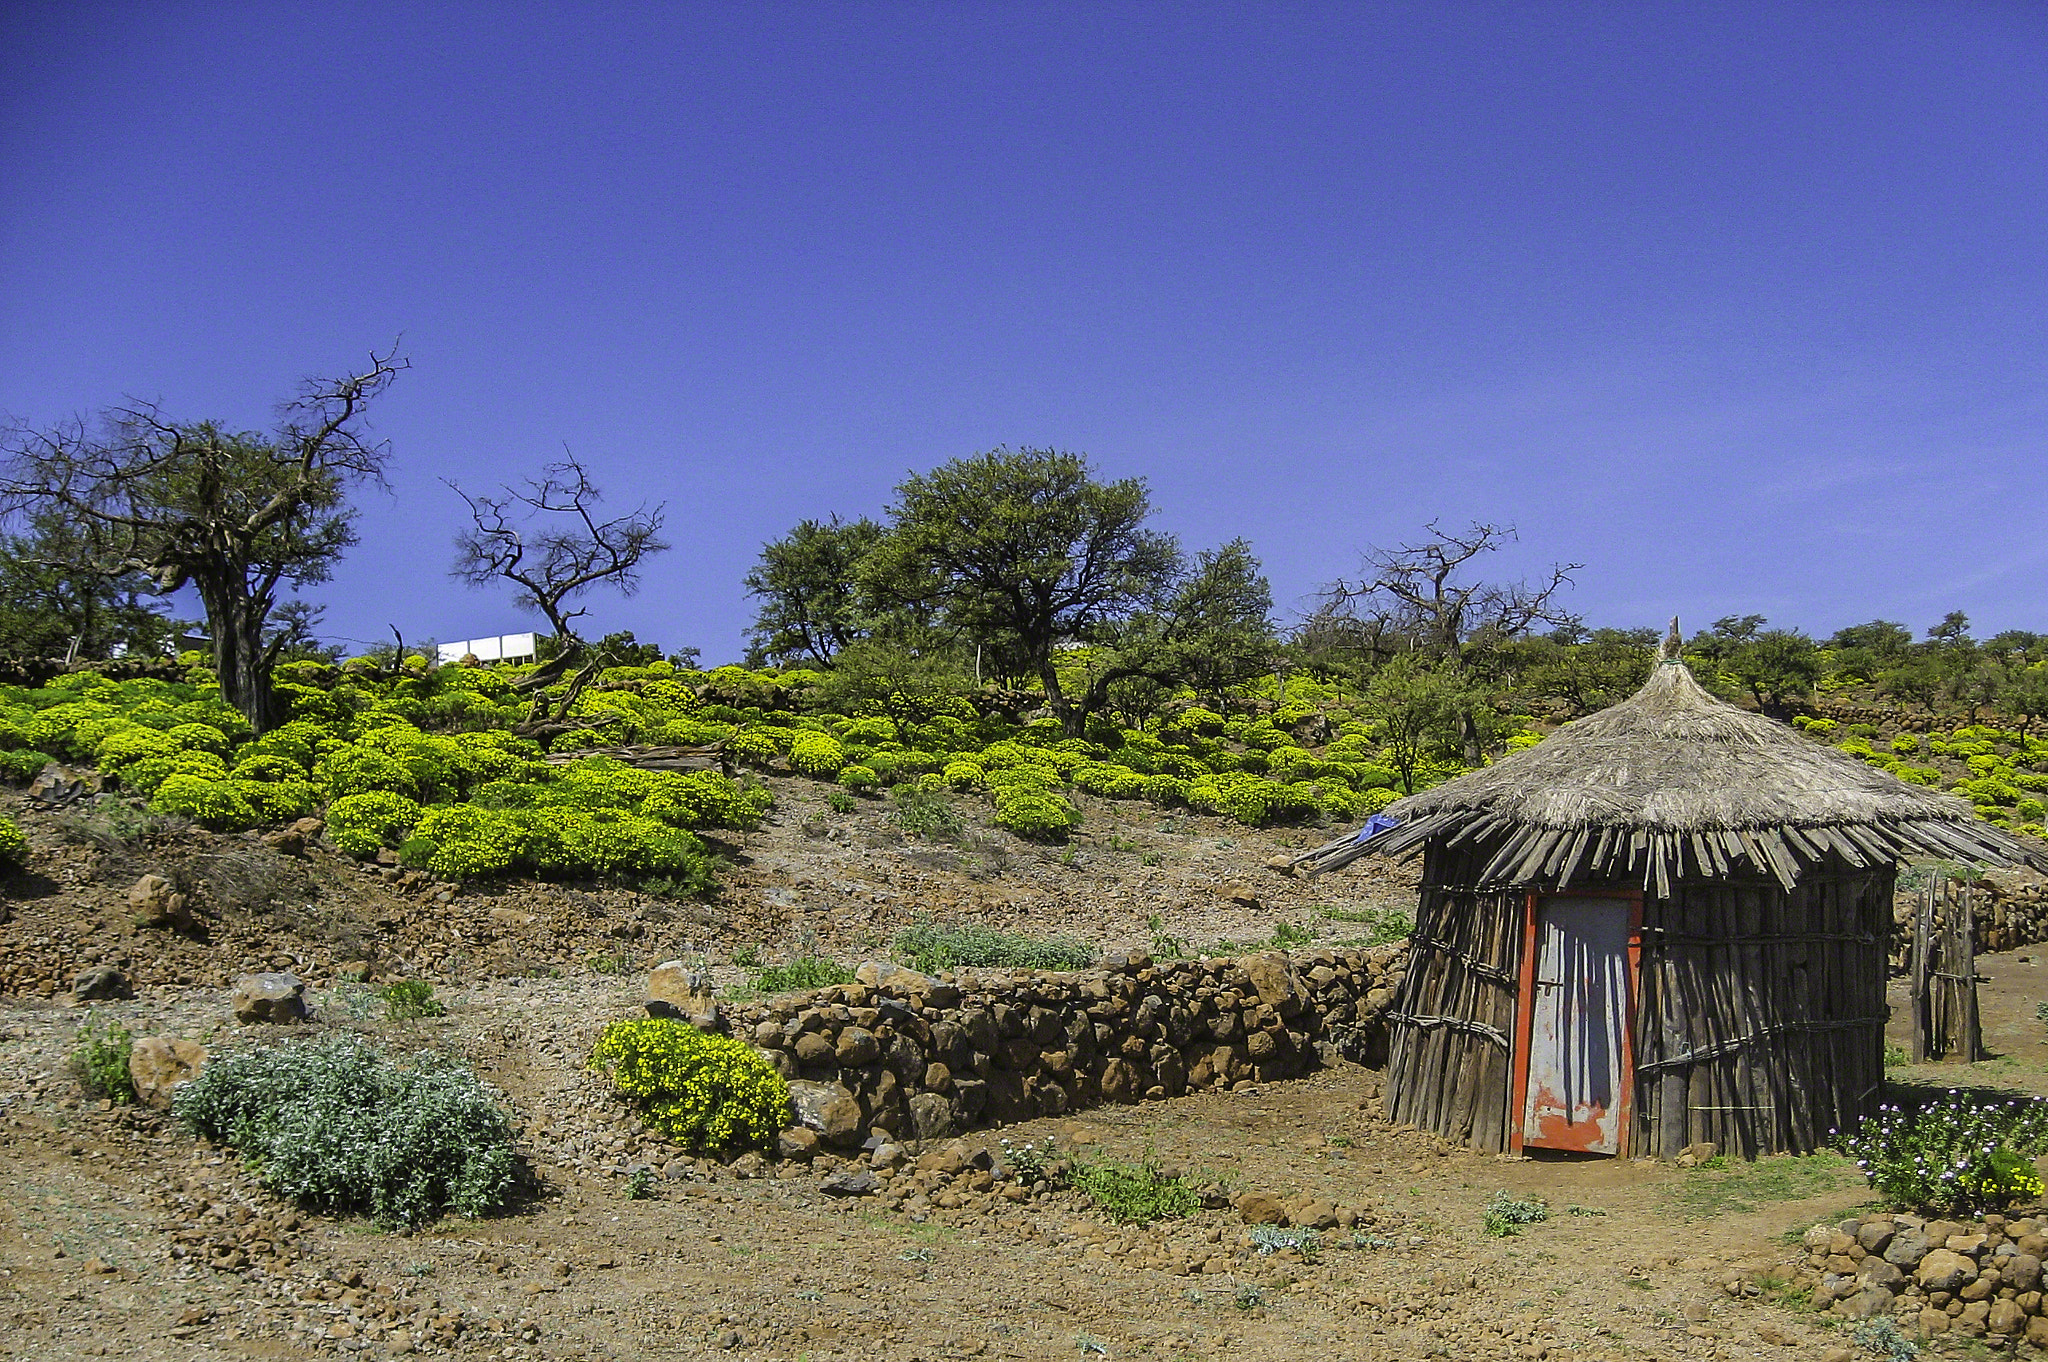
(808, 586)
(234, 514)
(548, 540)
(1025, 547)
(51, 607)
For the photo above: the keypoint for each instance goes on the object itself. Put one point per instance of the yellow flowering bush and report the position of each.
(708, 1092)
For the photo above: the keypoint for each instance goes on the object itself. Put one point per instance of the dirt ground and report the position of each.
(122, 1237)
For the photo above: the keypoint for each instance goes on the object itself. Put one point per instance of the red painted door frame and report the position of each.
(1525, 1011)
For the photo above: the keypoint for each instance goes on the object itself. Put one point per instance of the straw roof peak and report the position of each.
(1674, 782)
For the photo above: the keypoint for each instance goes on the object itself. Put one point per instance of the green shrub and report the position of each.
(410, 999)
(800, 975)
(930, 947)
(817, 754)
(360, 824)
(21, 765)
(925, 812)
(1028, 804)
(1505, 1216)
(963, 775)
(13, 845)
(839, 801)
(708, 1092)
(334, 1125)
(1135, 1196)
(1958, 1154)
(101, 1060)
(858, 777)
(216, 803)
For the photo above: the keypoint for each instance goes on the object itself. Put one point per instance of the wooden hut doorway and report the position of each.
(1574, 1061)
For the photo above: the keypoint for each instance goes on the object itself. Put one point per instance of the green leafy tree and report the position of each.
(912, 682)
(1211, 631)
(1424, 707)
(2024, 694)
(1024, 548)
(1585, 671)
(1864, 651)
(51, 606)
(1776, 666)
(235, 515)
(808, 583)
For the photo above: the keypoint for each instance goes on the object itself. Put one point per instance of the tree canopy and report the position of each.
(237, 515)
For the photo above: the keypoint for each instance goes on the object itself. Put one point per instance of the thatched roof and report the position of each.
(1675, 783)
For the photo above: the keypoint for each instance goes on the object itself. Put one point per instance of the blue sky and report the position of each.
(1744, 306)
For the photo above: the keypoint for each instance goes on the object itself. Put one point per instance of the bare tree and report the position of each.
(1421, 598)
(547, 539)
(234, 515)
(1419, 593)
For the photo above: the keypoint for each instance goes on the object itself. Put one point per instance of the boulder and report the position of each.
(158, 1064)
(1258, 1208)
(931, 1115)
(2005, 1318)
(685, 992)
(1242, 894)
(857, 1046)
(1906, 1249)
(2022, 1272)
(155, 902)
(1274, 978)
(1944, 1270)
(269, 998)
(100, 984)
(829, 1109)
(881, 974)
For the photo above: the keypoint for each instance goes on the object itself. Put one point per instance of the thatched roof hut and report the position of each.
(1665, 924)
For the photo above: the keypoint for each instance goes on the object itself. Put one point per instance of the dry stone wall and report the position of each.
(2011, 911)
(904, 1055)
(1977, 1279)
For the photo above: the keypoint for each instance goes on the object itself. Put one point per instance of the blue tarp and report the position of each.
(1376, 825)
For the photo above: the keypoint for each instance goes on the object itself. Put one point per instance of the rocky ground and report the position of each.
(121, 1236)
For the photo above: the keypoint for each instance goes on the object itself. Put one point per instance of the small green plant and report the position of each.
(926, 812)
(746, 957)
(2041, 1013)
(1151, 858)
(411, 999)
(1390, 926)
(1271, 1239)
(609, 962)
(930, 947)
(1037, 1163)
(1165, 945)
(841, 801)
(336, 1125)
(101, 1059)
(1881, 1339)
(1249, 1297)
(640, 1183)
(1896, 1057)
(708, 1092)
(1136, 1196)
(1505, 1216)
(1287, 935)
(1959, 1153)
(804, 973)
(13, 845)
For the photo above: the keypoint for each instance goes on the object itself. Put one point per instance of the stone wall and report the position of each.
(910, 1056)
(2011, 911)
(1978, 1279)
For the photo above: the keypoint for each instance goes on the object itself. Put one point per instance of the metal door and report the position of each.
(1578, 1018)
